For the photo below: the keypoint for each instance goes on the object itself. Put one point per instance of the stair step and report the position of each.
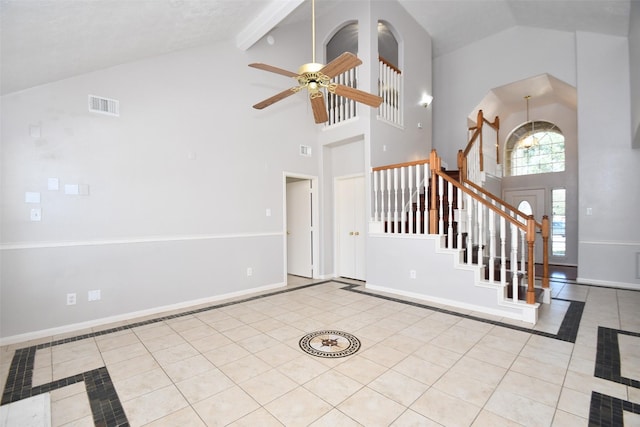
(522, 293)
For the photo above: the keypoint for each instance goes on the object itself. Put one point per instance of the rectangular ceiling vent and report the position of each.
(305, 150)
(98, 104)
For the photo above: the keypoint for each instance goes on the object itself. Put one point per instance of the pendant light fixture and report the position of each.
(530, 140)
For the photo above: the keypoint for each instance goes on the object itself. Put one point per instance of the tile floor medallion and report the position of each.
(331, 344)
(243, 362)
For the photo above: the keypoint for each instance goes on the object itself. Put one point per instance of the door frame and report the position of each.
(315, 235)
(522, 193)
(336, 236)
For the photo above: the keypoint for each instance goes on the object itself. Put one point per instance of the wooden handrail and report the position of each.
(465, 190)
(477, 134)
(502, 202)
(389, 64)
(400, 165)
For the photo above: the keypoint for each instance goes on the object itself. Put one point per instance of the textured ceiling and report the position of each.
(48, 40)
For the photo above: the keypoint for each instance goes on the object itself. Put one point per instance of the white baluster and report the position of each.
(492, 245)
(503, 252)
(395, 200)
(403, 216)
(480, 217)
(388, 200)
(418, 202)
(470, 202)
(450, 219)
(440, 205)
(523, 251)
(514, 261)
(459, 208)
(411, 191)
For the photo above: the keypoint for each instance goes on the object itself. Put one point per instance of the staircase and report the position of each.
(476, 231)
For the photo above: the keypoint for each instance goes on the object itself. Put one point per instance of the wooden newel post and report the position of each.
(434, 165)
(531, 239)
(545, 251)
(462, 176)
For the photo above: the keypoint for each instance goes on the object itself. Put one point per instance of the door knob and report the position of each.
(351, 233)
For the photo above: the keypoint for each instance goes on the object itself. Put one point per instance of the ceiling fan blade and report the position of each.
(277, 97)
(273, 69)
(319, 110)
(342, 63)
(357, 95)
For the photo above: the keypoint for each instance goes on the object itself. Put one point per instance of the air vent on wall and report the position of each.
(305, 150)
(98, 104)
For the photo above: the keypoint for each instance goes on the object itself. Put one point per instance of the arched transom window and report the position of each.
(535, 147)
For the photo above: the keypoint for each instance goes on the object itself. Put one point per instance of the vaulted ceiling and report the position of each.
(49, 40)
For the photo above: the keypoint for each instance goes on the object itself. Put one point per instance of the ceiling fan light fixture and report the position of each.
(315, 77)
(311, 67)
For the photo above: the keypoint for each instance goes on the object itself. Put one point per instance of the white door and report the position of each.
(535, 198)
(350, 223)
(299, 228)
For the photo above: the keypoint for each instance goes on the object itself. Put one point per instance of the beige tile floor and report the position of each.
(241, 365)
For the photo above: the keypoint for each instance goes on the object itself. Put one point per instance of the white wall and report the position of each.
(634, 60)
(566, 120)
(608, 167)
(463, 78)
(410, 142)
(178, 185)
(598, 66)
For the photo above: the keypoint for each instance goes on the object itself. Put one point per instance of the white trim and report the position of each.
(457, 304)
(608, 242)
(315, 220)
(131, 240)
(130, 317)
(607, 283)
(268, 19)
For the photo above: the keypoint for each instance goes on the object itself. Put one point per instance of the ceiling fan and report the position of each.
(316, 78)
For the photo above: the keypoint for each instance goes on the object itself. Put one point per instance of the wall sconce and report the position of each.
(426, 100)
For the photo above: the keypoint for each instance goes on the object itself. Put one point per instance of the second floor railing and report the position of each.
(340, 109)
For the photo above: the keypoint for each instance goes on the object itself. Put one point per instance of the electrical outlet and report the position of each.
(71, 299)
(249, 271)
(93, 295)
(412, 274)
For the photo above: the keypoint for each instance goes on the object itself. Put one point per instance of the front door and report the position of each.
(350, 227)
(299, 228)
(533, 199)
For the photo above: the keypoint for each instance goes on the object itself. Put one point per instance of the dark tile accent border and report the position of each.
(568, 330)
(608, 356)
(103, 399)
(105, 404)
(607, 411)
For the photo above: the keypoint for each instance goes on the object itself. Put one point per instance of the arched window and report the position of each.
(535, 147)
(387, 45)
(344, 40)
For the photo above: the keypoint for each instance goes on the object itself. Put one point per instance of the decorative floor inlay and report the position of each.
(331, 344)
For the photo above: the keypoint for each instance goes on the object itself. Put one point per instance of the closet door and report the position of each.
(350, 214)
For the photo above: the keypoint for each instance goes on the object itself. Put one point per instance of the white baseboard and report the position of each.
(66, 329)
(607, 283)
(452, 303)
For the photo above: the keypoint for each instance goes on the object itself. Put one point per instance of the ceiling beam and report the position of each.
(271, 16)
